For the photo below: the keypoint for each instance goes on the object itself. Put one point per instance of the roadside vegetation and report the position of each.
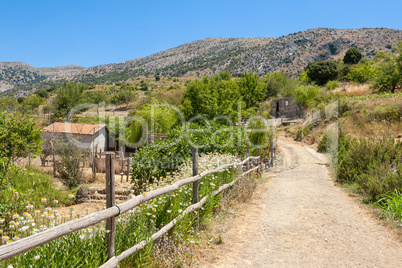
(200, 112)
(369, 112)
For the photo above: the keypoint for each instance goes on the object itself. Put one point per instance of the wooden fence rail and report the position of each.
(113, 262)
(13, 249)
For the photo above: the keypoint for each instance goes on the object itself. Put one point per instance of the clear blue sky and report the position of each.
(47, 33)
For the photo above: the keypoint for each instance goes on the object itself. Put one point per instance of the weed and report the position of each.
(392, 204)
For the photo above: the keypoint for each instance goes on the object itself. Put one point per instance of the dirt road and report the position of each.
(301, 219)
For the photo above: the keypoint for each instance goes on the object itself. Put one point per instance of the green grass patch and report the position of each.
(392, 205)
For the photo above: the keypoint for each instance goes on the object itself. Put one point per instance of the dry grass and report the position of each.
(352, 90)
(171, 252)
(364, 118)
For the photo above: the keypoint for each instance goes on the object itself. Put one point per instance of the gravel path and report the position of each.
(301, 219)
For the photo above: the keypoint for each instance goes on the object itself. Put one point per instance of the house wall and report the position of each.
(86, 142)
(100, 140)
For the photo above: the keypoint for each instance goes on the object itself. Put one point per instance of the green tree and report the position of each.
(322, 72)
(306, 94)
(211, 97)
(18, 139)
(42, 93)
(68, 167)
(8, 104)
(143, 86)
(388, 76)
(251, 90)
(362, 73)
(228, 97)
(303, 78)
(68, 96)
(95, 96)
(225, 75)
(128, 95)
(398, 49)
(352, 56)
(278, 84)
(31, 103)
(198, 99)
(332, 85)
(343, 71)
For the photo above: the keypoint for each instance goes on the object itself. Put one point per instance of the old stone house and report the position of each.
(84, 136)
(286, 108)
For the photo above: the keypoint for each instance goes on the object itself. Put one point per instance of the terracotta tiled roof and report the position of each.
(74, 128)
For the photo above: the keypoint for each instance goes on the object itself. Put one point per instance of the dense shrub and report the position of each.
(322, 72)
(343, 71)
(29, 186)
(332, 85)
(352, 56)
(362, 73)
(322, 144)
(160, 158)
(373, 163)
(388, 77)
(279, 84)
(306, 94)
(68, 168)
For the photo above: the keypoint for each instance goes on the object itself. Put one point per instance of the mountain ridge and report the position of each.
(289, 54)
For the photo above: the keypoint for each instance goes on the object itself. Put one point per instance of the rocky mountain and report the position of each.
(22, 75)
(289, 54)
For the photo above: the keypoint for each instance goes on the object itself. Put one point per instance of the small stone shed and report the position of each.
(286, 108)
(88, 136)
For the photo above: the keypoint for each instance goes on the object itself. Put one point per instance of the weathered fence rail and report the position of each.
(15, 248)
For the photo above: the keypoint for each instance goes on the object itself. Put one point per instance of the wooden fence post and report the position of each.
(128, 165)
(195, 184)
(54, 160)
(272, 153)
(259, 159)
(110, 202)
(94, 163)
(248, 154)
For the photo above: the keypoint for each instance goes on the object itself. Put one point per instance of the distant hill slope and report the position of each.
(262, 55)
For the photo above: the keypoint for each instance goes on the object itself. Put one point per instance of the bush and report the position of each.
(352, 56)
(322, 72)
(303, 132)
(279, 84)
(261, 137)
(388, 77)
(322, 145)
(42, 93)
(306, 94)
(332, 85)
(70, 172)
(161, 157)
(374, 164)
(343, 71)
(362, 73)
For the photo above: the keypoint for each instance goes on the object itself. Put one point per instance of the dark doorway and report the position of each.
(277, 109)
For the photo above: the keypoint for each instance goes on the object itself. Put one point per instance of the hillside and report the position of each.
(262, 55)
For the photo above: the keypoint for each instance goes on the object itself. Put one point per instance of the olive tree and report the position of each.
(322, 72)
(18, 139)
(352, 56)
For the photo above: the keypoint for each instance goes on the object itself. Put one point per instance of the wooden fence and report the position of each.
(112, 211)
